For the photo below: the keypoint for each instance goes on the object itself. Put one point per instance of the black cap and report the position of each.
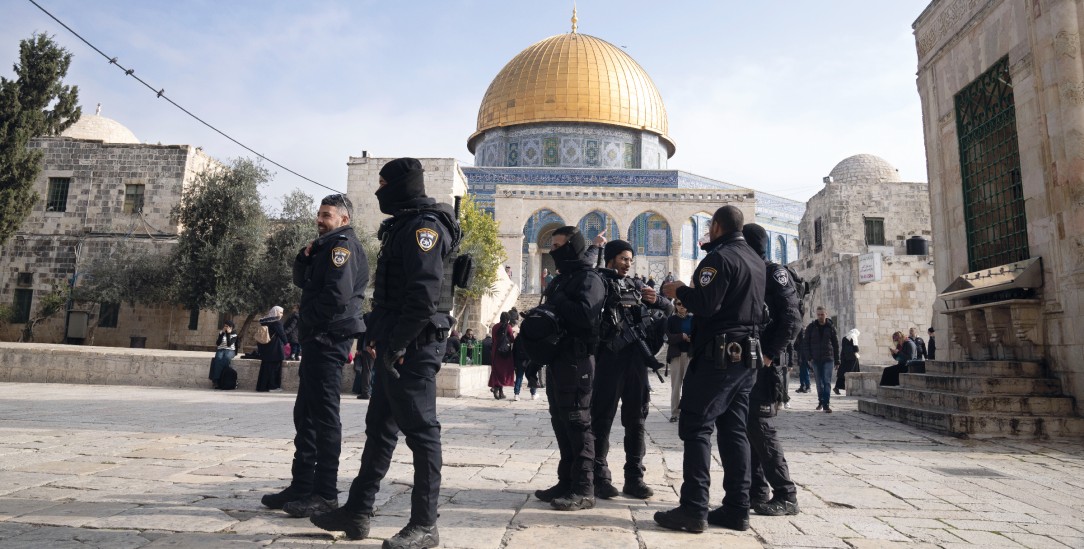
(614, 248)
(756, 237)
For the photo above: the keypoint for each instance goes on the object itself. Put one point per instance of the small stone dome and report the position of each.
(865, 168)
(98, 127)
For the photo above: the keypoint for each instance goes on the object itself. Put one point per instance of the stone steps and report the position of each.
(981, 425)
(1014, 404)
(982, 384)
(991, 398)
(994, 368)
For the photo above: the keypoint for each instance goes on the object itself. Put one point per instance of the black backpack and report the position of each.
(540, 332)
(800, 286)
(504, 345)
(227, 381)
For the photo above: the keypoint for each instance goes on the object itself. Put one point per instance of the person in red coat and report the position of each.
(503, 365)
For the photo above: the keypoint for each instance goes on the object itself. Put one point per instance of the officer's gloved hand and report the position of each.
(390, 360)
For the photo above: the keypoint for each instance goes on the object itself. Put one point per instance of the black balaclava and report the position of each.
(572, 250)
(614, 248)
(405, 181)
(757, 238)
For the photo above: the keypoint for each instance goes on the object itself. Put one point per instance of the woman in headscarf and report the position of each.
(848, 358)
(502, 363)
(271, 353)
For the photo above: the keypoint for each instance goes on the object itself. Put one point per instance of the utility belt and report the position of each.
(734, 351)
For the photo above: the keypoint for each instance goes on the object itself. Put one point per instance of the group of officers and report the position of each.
(733, 346)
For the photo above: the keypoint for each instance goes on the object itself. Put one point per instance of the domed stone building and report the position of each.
(865, 253)
(100, 188)
(573, 131)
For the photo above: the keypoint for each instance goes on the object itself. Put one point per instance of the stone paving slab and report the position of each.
(118, 467)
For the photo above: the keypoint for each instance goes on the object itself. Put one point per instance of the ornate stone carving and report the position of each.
(999, 326)
(945, 24)
(1073, 92)
(1067, 43)
(979, 337)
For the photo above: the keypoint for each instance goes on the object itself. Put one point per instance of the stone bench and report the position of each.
(47, 363)
(865, 383)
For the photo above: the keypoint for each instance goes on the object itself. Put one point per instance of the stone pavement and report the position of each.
(126, 467)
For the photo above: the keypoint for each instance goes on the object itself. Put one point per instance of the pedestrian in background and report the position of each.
(503, 365)
(931, 345)
(272, 352)
(848, 358)
(290, 325)
(803, 363)
(225, 350)
(679, 334)
(822, 347)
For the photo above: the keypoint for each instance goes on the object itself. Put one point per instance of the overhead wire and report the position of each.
(161, 94)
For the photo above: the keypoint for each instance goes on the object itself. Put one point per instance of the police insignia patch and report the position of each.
(427, 238)
(339, 256)
(781, 277)
(707, 274)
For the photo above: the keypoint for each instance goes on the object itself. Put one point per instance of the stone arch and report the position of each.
(693, 231)
(595, 222)
(780, 252)
(537, 233)
(650, 236)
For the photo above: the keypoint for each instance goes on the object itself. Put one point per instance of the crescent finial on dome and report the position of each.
(575, 19)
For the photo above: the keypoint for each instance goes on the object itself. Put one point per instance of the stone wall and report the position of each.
(957, 40)
(38, 363)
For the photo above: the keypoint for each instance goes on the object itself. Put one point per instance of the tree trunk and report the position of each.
(241, 333)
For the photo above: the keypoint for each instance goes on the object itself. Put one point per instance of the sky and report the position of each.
(768, 95)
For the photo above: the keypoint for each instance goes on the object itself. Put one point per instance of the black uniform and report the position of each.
(727, 298)
(332, 279)
(409, 273)
(577, 295)
(622, 375)
(768, 465)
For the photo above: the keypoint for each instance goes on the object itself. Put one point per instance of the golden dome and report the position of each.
(573, 78)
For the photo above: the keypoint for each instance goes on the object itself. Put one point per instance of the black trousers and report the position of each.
(620, 376)
(407, 404)
(768, 465)
(363, 374)
(715, 399)
(318, 441)
(568, 388)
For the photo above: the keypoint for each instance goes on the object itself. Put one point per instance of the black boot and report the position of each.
(573, 502)
(355, 525)
(731, 520)
(605, 490)
(414, 536)
(310, 505)
(551, 493)
(678, 519)
(277, 500)
(776, 507)
(636, 488)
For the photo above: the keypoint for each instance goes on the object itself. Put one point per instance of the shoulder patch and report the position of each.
(427, 238)
(781, 277)
(707, 274)
(339, 256)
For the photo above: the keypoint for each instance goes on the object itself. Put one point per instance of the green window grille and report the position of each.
(56, 199)
(875, 231)
(990, 165)
(193, 319)
(21, 306)
(133, 198)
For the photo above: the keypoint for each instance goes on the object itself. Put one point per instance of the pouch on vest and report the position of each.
(540, 332)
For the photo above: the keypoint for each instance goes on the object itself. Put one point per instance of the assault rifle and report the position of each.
(630, 330)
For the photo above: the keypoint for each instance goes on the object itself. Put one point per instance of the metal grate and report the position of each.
(57, 198)
(818, 235)
(968, 472)
(875, 231)
(133, 198)
(990, 166)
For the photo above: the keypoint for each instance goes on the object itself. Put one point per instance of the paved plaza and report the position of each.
(124, 467)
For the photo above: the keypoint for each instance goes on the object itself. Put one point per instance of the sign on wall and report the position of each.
(869, 268)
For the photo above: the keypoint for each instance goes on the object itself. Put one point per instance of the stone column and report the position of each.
(534, 270)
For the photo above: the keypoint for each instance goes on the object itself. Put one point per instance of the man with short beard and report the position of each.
(621, 375)
(332, 272)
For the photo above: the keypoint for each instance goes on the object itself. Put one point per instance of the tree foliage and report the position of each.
(36, 103)
(48, 306)
(481, 240)
(128, 275)
(295, 228)
(220, 251)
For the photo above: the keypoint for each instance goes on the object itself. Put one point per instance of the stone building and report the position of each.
(855, 257)
(572, 131)
(100, 188)
(1002, 89)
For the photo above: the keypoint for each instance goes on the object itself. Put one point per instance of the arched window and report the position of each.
(781, 250)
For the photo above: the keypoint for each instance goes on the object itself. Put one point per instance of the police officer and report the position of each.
(577, 296)
(773, 492)
(727, 301)
(332, 272)
(622, 375)
(409, 334)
